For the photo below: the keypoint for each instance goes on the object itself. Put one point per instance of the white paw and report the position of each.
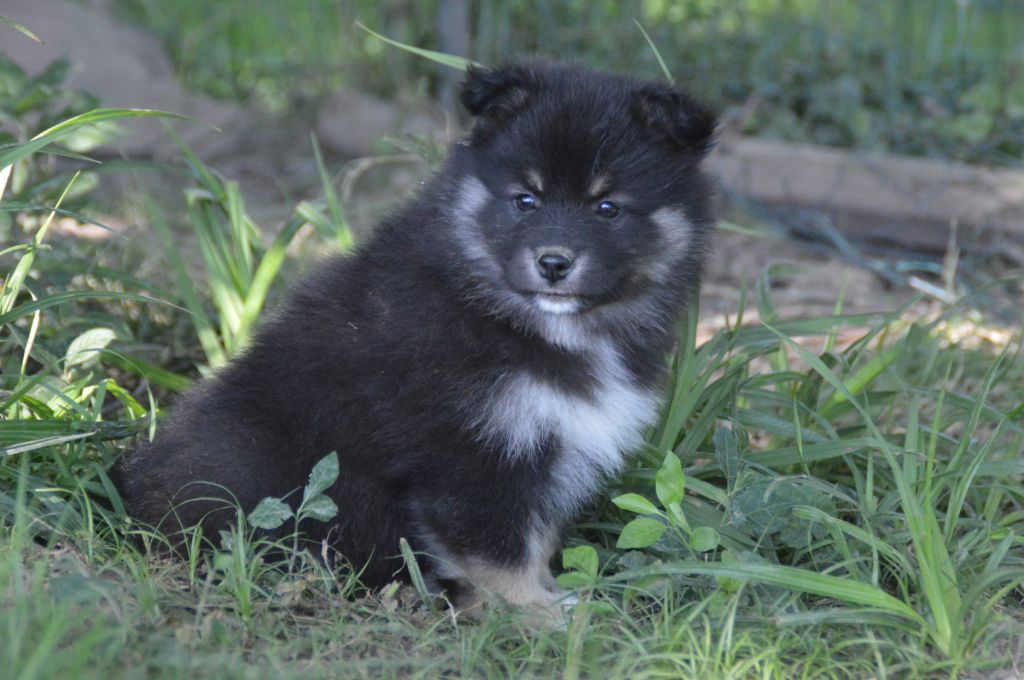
(566, 599)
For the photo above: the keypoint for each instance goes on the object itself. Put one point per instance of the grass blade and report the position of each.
(938, 577)
(449, 60)
(657, 54)
(21, 29)
(12, 285)
(215, 354)
(89, 118)
(791, 578)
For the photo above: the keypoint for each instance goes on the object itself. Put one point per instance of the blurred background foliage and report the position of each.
(938, 78)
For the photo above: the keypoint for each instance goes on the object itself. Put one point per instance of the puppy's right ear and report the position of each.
(495, 94)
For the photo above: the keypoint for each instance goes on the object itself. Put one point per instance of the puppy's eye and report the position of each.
(525, 202)
(607, 209)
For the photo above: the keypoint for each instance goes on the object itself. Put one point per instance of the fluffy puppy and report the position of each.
(485, 359)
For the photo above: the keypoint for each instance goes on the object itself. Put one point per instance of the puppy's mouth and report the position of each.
(556, 302)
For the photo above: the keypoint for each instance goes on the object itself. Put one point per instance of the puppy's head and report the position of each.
(579, 190)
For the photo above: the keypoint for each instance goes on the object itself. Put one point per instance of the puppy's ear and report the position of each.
(495, 94)
(674, 114)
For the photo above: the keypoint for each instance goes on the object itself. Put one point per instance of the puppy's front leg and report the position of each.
(549, 542)
(562, 597)
(520, 585)
(528, 584)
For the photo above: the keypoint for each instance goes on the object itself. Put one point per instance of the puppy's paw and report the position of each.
(567, 599)
(554, 611)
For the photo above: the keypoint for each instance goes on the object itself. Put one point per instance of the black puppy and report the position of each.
(485, 359)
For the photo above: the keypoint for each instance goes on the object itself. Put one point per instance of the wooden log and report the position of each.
(920, 191)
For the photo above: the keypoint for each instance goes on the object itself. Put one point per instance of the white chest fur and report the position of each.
(594, 433)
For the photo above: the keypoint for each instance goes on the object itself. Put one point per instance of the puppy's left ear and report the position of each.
(679, 117)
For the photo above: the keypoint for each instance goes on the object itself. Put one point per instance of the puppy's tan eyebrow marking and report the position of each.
(599, 185)
(535, 181)
(616, 197)
(517, 188)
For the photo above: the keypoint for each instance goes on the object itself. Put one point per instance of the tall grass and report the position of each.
(51, 417)
(239, 271)
(888, 490)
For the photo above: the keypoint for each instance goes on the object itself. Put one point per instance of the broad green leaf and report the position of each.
(634, 502)
(323, 475)
(582, 558)
(634, 559)
(670, 482)
(727, 454)
(640, 533)
(677, 516)
(319, 507)
(78, 588)
(704, 539)
(84, 350)
(270, 513)
(573, 579)
(765, 505)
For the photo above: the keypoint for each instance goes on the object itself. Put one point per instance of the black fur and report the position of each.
(391, 356)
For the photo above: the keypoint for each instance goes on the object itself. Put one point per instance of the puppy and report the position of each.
(484, 360)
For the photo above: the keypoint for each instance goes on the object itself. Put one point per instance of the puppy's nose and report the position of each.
(553, 266)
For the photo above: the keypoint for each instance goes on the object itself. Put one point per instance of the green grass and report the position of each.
(926, 77)
(838, 496)
(122, 617)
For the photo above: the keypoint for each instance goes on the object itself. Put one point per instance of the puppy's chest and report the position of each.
(591, 432)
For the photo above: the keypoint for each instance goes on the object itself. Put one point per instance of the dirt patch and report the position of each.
(804, 282)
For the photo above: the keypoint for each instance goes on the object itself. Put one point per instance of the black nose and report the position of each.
(554, 266)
